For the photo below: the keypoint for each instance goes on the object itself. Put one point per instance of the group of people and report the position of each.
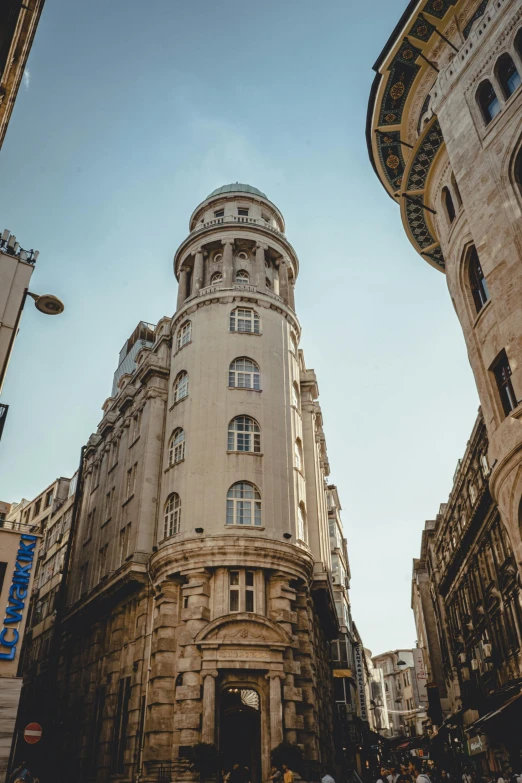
(416, 771)
(410, 772)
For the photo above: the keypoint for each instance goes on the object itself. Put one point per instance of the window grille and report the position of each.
(181, 386)
(177, 447)
(172, 520)
(243, 504)
(184, 334)
(244, 435)
(244, 320)
(244, 374)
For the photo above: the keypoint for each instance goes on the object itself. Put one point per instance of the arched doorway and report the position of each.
(240, 731)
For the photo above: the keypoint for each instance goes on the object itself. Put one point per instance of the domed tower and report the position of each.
(242, 556)
(444, 137)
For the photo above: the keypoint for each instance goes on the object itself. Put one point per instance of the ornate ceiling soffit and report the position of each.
(394, 87)
(414, 215)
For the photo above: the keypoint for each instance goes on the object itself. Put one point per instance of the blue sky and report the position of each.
(129, 116)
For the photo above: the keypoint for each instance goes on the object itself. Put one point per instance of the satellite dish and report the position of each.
(49, 304)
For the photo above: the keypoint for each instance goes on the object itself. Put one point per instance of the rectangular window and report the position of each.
(49, 498)
(242, 211)
(219, 213)
(37, 506)
(124, 542)
(3, 567)
(82, 587)
(249, 591)
(136, 426)
(502, 371)
(234, 591)
(90, 525)
(102, 561)
(108, 505)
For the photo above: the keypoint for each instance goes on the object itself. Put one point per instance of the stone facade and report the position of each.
(475, 597)
(199, 586)
(444, 136)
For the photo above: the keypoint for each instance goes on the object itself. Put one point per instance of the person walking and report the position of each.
(275, 775)
(415, 770)
(288, 775)
(404, 776)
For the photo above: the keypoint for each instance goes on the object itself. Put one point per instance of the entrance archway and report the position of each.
(240, 731)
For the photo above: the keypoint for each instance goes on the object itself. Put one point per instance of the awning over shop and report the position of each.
(494, 713)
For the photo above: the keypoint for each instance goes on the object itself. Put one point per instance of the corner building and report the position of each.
(444, 135)
(200, 602)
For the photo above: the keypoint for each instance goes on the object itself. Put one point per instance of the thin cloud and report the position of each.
(26, 78)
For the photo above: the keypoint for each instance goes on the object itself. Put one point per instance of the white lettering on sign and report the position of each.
(359, 676)
(421, 675)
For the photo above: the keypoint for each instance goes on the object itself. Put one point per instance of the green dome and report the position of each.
(236, 187)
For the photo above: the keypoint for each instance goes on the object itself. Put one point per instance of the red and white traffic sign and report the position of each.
(33, 733)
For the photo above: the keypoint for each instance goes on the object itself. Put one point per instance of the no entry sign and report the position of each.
(33, 733)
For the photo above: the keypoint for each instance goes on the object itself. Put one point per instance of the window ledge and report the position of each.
(128, 500)
(244, 388)
(480, 313)
(298, 470)
(112, 468)
(516, 413)
(136, 439)
(95, 488)
(296, 409)
(178, 350)
(178, 402)
(244, 527)
(105, 523)
(86, 540)
(169, 467)
(251, 334)
(249, 453)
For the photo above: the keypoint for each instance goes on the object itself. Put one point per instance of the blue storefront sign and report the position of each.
(17, 597)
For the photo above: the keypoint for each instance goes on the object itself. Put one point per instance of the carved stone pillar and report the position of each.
(228, 262)
(276, 709)
(199, 271)
(260, 266)
(291, 298)
(182, 285)
(283, 280)
(208, 730)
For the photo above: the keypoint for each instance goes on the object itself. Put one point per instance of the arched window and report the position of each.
(477, 281)
(184, 334)
(448, 204)
(298, 454)
(216, 278)
(177, 447)
(487, 101)
(295, 395)
(242, 277)
(456, 190)
(301, 522)
(244, 374)
(244, 435)
(172, 515)
(507, 74)
(268, 283)
(293, 343)
(243, 319)
(181, 385)
(243, 504)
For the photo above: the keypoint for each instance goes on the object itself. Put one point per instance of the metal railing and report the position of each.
(18, 526)
(237, 219)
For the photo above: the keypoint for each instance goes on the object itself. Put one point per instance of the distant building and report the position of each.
(406, 712)
(18, 28)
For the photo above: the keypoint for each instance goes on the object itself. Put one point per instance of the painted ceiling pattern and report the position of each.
(423, 158)
(403, 71)
(390, 156)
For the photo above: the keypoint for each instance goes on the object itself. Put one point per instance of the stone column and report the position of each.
(291, 299)
(228, 262)
(182, 285)
(260, 266)
(208, 730)
(283, 280)
(199, 271)
(276, 709)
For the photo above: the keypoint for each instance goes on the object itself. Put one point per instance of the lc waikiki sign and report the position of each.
(21, 551)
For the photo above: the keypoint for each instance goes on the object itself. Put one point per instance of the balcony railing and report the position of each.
(17, 526)
(237, 219)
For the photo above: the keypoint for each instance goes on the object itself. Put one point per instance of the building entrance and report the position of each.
(240, 732)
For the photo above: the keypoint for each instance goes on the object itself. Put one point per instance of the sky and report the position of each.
(128, 116)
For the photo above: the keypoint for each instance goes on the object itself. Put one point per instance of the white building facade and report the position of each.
(200, 600)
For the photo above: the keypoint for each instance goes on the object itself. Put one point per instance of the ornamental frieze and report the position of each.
(390, 156)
